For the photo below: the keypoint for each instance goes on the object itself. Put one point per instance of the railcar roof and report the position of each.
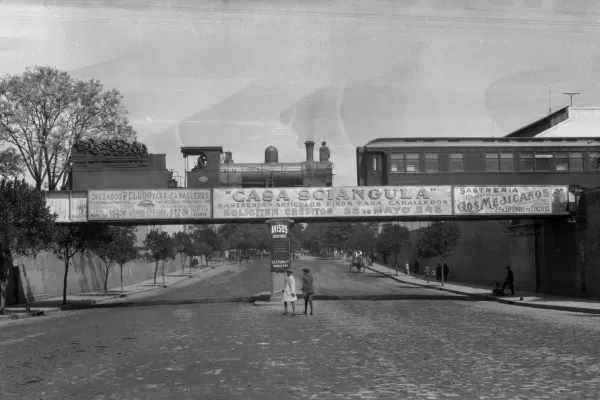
(482, 142)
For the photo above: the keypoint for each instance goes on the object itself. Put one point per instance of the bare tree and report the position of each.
(44, 111)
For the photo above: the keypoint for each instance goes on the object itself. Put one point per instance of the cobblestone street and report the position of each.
(406, 349)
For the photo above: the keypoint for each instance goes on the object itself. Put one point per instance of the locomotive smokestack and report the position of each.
(310, 146)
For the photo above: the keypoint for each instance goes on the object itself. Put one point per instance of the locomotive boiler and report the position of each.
(228, 174)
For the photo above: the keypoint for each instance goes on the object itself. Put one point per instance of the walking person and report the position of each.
(438, 272)
(289, 292)
(416, 266)
(509, 281)
(308, 290)
(407, 268)
(446, 272)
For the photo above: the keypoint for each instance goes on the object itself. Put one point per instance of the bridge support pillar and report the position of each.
(281, 259)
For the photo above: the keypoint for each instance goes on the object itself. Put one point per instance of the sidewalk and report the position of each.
(523, 299)
(52, 305)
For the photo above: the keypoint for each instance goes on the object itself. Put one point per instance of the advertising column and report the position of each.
(280, 254)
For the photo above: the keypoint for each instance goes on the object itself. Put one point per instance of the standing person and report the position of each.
(407, 268)
(289, 292)
(438, 272)
(509, 281)
(446, 272)
(427, 273)
(308, 290)
(416, 266)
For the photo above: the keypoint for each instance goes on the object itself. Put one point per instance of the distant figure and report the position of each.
(427, 273)
(497, 290)
(324, 153)
(446, 272)
(509, 281)
(416, 266)
(308, 290)
(289, 292)
(438, 272)
(407, 268)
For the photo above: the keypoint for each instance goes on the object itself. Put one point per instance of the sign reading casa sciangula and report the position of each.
(332, 202)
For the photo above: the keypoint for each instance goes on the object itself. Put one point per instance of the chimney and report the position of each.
(228, 157)
(310, 146)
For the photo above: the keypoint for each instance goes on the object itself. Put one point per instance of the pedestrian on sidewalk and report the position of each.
(308, 290)
(509, 281)
(438, 272)
(427, 273)
(407, 268)
(446, 272)
(289, 292)
(416, 266)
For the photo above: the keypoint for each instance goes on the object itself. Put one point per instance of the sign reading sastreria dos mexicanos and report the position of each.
(494, 200)
(137, 204)
(332, 202)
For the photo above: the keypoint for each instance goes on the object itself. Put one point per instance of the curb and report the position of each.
(499, 300)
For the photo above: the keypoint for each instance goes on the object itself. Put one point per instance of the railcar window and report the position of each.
(542, 163)
(457, 163)
(576, 161)
(507, 162)
(412, 162)
(397, 162)
(561, 161)
(594, 159)
(375, 163)
(492, 162)
(525, 161)
(432, 162)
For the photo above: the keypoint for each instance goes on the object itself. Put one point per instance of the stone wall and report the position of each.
(42, 277)
(588, 245)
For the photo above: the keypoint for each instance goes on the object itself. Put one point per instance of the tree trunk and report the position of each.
(107, 266)
(4, 273)
(442, 274)
(182, 265)
(163, 272)
(155, 271)
(121, 266)
(67, 259)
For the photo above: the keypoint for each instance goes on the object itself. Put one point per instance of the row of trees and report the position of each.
(438, 240)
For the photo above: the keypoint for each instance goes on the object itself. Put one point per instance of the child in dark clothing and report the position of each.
(498, 290)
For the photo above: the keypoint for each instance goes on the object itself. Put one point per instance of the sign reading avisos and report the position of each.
(319, 202)
(68, 206)
(493, 200)
(139, 204)
(280, 246)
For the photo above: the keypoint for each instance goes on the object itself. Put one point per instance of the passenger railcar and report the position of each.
(479, 161)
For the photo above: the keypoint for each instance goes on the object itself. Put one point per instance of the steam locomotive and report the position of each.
(215, 169)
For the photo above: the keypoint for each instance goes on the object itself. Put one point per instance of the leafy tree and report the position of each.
(11, 164)
(394, 238)
(26, 227)
(70, 240)
(364, 237)
(184, 246)
(207, 241)
(161, 248)
(439, 240)
(44, 111)
(115, 247)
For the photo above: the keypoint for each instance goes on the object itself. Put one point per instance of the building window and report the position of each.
(542, 163)
(492, 163)
(561, 161)
(375, 163)
(432, 162)
(594, 160)
(576, 161)
(412, 162)
(526, 162)
(397, 162)
(457, 163)
(507, 162)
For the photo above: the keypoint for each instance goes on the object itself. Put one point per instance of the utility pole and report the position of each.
(571, 94)
(549, 105)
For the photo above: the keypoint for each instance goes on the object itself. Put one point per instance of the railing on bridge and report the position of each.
(385, 203)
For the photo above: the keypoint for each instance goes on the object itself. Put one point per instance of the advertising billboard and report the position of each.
(280, 246)
(69, 206)
(513, 200)
(376, 202)
(155, 204)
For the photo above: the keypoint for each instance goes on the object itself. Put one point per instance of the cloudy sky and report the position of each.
(247, 74)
